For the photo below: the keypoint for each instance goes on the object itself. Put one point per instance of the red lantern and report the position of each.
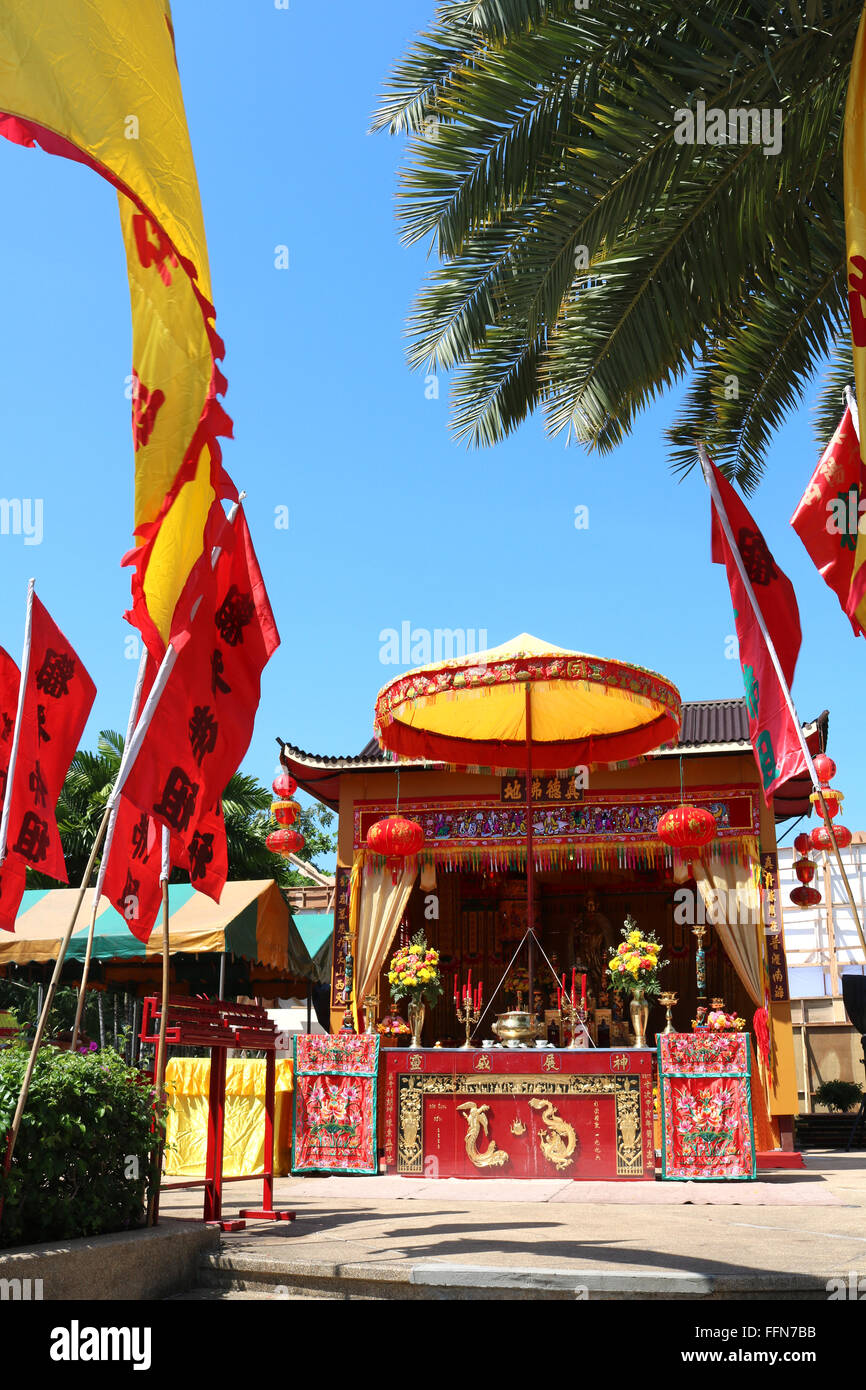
(686, 827)
(832, 799)
(804, 869)
(805, 897)
(285, 842)
(802, 843)
(825, 767)
(820, 837)
(395, 837)
(285, 812)
(284, 785)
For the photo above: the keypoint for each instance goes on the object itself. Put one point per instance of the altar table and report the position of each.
(527, 1113)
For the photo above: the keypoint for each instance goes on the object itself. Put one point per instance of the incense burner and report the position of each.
(515, 1026)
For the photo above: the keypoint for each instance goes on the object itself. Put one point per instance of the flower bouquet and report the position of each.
(414, 975)
(717, 1021)
(635, 967)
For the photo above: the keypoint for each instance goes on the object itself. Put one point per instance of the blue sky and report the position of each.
(390, 520)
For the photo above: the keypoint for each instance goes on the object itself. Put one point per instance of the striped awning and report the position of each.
(252, 920)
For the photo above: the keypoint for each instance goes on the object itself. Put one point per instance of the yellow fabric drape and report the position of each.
(383, 903)
(733, 905)
(187, 1080)
(97, 81)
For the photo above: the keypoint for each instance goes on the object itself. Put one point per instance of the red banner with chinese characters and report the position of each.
(772, 730)
(132, 875)
(828, 517)
(58, 697)
(204, 720)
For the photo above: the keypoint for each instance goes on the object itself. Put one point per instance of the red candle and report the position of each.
(455, 989)
(583, 992)
(470, 982)
(480, 992)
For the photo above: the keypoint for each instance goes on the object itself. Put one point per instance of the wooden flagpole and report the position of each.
(19, 715)
(759, 617)
(160, 1058)
(103, 866)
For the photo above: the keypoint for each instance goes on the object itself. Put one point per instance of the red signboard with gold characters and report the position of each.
(528, 1113)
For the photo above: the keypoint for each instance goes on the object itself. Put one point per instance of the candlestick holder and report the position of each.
(700, 932)
(572, 1016)
(469, 1017)
(667, 1000)
(371, 1011)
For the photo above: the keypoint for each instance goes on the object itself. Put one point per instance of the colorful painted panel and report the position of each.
(706, 1106)
(335, 1099)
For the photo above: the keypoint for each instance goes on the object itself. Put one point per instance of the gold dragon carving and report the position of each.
(476, 1120)
(560, 1141)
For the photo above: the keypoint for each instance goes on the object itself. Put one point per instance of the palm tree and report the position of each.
(246, 812)
(587, 259)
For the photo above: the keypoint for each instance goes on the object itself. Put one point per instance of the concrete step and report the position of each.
(261, 1276)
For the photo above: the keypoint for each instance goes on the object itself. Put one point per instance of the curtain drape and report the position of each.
(733, 905)
(383, 903)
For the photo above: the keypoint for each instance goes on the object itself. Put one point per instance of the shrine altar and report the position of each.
(519, 1113)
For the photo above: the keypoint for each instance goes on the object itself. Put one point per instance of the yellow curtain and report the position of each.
(383, 903)
(187, 1081)
(732, 900)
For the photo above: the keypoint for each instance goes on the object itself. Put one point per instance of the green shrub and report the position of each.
(838, 1095)
(83, 1160)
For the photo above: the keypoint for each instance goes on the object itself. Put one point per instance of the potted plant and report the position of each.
(838, 1095)
(634, 970)
(414, 975)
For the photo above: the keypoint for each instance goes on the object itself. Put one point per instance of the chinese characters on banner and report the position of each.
(772, 730)
(828, 516)
(57, 700)
(553, 789)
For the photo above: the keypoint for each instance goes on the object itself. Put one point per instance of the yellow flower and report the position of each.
(633, 938)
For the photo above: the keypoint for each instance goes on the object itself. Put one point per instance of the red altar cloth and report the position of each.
(528, 1113)
(706, 1105)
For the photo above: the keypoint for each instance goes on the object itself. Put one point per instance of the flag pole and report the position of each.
(160, 1058)
(103, 865)
(19, 715)
(759, 617)
(49, 997)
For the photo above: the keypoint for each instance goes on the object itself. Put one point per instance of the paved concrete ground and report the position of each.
(786, 1225)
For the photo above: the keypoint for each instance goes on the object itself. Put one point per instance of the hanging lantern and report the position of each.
(832, 799)
(396, 839)
(802, 843)
(285, 842)
(686, 827)
(820, 837)
(804, 869)
(285, 812)
(825, 767)
(284, 785)
(805, 897)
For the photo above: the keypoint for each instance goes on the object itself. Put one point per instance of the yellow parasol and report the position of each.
(527, 706)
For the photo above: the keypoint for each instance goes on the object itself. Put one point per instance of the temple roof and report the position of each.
(709, 727)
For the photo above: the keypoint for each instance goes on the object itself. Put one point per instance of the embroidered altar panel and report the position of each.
(706, 1106)
(334, 1114)
(530, 1113)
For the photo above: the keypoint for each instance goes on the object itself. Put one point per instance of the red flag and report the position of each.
(204, 720)
(10, 678)
(828, 516)
(58, 697)
(132, 875)
(12, 882)
(772, 730)
(206, 854)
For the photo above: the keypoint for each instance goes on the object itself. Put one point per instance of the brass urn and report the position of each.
(515, 1026)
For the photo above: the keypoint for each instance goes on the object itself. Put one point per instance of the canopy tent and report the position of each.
(316, 930)
(252, 920)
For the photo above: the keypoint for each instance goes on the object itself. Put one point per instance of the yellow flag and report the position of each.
(97, 81)
(855, 234)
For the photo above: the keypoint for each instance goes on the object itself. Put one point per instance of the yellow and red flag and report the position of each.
(854, 162)
(97, 81)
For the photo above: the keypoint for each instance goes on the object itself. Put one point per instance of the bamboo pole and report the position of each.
(103, 867)
(49, 998)
(759, 617)
(19, 715)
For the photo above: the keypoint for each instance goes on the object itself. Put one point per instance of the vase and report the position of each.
(417, 1013)
(638, 1012)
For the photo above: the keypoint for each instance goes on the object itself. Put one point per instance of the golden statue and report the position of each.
(559, 1145)
(476, 1119)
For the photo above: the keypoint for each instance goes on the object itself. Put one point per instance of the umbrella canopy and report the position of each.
(252, 920)
(471, 712)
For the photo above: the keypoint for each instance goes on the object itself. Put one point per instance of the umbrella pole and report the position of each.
(530, 867)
